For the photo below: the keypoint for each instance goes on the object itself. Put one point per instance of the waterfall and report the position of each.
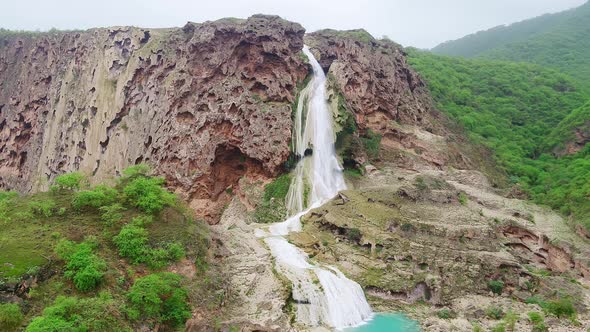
(322, 294)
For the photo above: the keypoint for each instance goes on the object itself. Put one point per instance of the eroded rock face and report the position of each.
(373, 76)
(371, 79)
(204, 104)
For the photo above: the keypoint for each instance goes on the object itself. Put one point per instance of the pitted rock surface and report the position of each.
(204, 104)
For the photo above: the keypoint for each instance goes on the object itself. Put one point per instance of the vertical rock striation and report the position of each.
(204, 104)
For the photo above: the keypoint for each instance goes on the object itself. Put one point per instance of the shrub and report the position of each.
(96, 198)
(463, 198)
(11, 316)
(159, 297)
(496, 286)
(561, 307)
(148, 195)
(134, 171)
(538, 322)
(46, 208)
(501, 327)
(444, 314)
(83, 267)
(353, 234)
(69, 181)
(510, 320)
(372, 143)
(111, 214)
(132, 243)
(73, 314)
(494, 312)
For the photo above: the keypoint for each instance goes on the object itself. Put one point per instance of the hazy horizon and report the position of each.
(419, 23)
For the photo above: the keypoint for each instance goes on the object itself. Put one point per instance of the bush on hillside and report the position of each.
(69, 181)
(148, 194)
(11, 316)
(98, 197)
(159, 297)
(83, 267)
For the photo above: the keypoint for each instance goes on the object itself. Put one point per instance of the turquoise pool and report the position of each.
(387, 323)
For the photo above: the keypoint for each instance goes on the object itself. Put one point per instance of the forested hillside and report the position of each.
(522, 112)
(560, 41)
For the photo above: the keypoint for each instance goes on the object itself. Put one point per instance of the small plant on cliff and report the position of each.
(538, 322)
(132, 242)
(561, 307)
(112, 213)
(445, 314)
(98, 197)
(148, 194)
(272, 208)
(463, 199)
(354, 234)
(10, 316)
(494, 312)
(496, 286)
(159, 297)
(69, 181)
(372, 143)
(83, 267)
(44, 208)
(134, 171)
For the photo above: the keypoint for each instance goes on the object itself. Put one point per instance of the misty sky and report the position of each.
(420, 23)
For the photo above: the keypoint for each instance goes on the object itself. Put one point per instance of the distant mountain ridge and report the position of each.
(560, 40)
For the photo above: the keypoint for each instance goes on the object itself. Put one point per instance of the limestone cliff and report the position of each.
(371, 79)
(204, 104)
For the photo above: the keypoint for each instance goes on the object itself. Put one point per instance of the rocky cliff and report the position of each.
(204, 104)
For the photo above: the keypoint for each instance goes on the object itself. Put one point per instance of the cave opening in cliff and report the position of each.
(229, 166)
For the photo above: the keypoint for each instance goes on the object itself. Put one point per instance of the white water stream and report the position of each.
(322, 294)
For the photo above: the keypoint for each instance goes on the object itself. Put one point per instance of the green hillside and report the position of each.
(100, 257)
(560, 41)
(514, 108)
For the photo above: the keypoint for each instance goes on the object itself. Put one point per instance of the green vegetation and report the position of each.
(132, 242)
(83, 267)
(101, 313)
(69, 181)
(98, 197)
(445, 314)
(521, 111)
(354, 234)
(96, 239)
(10, 316)
(372, 142)
(560, 41)
(496, 286)
(561, 307)
(360, 35)
(272, 208)
(538, 322)
(494, 312)
(147, 194)
(159, 297)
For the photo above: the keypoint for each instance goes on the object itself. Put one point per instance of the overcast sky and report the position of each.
(420, 23)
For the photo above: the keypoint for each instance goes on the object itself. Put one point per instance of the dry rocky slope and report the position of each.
(209, 106)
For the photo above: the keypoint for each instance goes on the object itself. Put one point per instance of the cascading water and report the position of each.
(322, 295)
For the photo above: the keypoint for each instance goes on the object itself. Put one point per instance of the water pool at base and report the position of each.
(387, 323)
